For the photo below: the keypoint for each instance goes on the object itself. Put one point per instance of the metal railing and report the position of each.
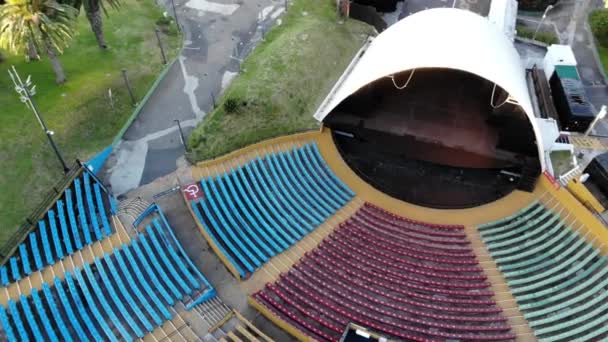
(9, 247)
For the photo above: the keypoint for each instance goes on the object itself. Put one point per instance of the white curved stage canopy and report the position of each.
(440, 38)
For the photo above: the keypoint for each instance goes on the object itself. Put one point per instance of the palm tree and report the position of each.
(93, 9)
(45, 23)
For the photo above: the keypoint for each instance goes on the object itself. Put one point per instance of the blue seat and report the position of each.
(275, 221)
(285, 185)
(259, 224)
(255, 234)
(316, 154)
(91, 304)
(91, 205)
(319, 176)
(140, 280)
(300, 184)
(321, 195)
(236, 232)
(102, 210)
(35, 251)
(123, 289)
(118, 301)
(31, 319)
(25, 259)
(219, 228)
(15, 268)
(12, 307)
(65, 232)
(79, 307)
(96, 290)
(174, 255)
(6, 325)
(4, 276)
(72, 218)
(46, 245)
(149, 254)
(82, 213)
(46, 322)
(165, 260)
(151, 276)
(211, 234)
(55, 234)
(63, 329)
(268, 189)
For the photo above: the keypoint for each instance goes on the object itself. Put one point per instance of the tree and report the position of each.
(598, 20)
(43, 23)
(93, 9)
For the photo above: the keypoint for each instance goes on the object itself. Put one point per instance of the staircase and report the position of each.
(130, 209)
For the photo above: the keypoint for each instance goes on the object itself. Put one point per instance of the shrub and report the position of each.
(231, 105)
(545, 37)
(598, 20)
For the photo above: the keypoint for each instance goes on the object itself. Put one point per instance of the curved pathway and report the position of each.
(217, 34)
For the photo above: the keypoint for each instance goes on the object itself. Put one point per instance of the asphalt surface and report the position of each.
(217, 34)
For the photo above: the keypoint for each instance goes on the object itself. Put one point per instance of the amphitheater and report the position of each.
(374, 227)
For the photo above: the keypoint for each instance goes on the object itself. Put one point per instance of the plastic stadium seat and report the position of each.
(74, 322)
(149, 254)
(118, 303)
(35, 251)
(166, 262)
(16, 317)
(82, 213)
(72, 219)
(46, 322)
(102, 210)
(140, 280)
(64, 228)
(56, 315)
(6, 326)
(91, 205)
(150, 273)
(173, 254)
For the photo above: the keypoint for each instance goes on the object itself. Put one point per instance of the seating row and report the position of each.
(262, 208)
(380, 271)
(80, 217)
(560, 280)
(122, 296)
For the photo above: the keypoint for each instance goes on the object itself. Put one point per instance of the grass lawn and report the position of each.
(603, 52)
(283, 81)
(542, 36)
(79, 111)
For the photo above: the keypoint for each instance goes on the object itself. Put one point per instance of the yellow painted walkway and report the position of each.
(78, 259)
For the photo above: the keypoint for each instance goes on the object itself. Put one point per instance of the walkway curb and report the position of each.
(143, 101)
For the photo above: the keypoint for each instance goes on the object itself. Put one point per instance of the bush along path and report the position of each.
(216, 37)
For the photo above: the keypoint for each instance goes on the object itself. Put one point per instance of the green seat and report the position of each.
(593, 334)
(490, 234)
(521, 233)
(582, 280)
(508, 218)
(527, 263)
(560, 266)
(575, 310)
(589, 320)
(557, 277)
(545, 234)
(547, 244)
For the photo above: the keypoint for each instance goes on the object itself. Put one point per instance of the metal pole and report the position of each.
(175, 15)
(598, 117)
(126, 78)
(181, 134)
(550, 7)
(454, 4)
(160, 45)
(49, 133)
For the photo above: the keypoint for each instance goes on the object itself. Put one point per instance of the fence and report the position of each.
(54, 193)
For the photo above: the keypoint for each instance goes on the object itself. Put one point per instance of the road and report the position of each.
(216, 36)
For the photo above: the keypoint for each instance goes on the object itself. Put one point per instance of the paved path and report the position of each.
(214, 31)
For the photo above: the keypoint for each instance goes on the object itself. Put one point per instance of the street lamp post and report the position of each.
(550, 7)
(26, 91)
